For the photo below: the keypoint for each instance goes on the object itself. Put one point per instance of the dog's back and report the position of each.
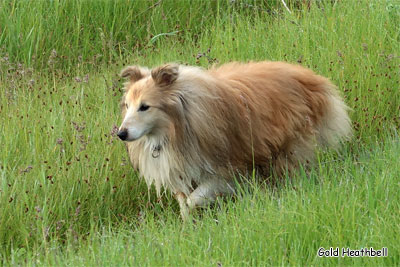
(290, 109)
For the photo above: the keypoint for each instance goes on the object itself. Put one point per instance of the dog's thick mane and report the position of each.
(236, 117)
(200, 143)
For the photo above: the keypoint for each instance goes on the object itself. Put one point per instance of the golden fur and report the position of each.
(203, 126)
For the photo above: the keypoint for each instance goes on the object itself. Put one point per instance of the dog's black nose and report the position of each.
(122, 134)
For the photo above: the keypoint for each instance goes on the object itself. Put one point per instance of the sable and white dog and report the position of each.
(190, 130)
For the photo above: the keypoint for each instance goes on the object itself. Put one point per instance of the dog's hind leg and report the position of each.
(208, 191)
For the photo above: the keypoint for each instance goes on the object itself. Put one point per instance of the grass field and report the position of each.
(68, 195)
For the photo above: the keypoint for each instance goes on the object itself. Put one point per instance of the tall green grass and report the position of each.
(89, 33)
(68, 194)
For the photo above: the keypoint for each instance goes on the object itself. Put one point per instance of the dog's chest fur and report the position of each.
(163, 166)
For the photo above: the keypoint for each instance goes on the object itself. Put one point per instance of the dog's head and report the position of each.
(143, 104)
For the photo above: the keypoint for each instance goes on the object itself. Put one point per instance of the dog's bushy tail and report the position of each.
(335, 126)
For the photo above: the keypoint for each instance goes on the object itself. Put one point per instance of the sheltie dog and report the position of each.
(191, 130)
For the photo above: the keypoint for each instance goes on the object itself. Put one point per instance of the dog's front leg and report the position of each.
(181, 198)
(208, 191)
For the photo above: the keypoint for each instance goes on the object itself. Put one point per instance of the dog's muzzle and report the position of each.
(123, 134)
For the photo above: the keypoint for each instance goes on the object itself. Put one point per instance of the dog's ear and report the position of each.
(134, 73)
(165, 75)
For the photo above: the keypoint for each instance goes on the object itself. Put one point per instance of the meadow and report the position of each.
(68, 195)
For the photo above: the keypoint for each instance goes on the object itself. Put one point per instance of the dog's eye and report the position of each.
(126, 105)
(143, 107)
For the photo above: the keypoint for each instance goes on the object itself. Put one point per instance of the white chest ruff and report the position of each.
(167, 170)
